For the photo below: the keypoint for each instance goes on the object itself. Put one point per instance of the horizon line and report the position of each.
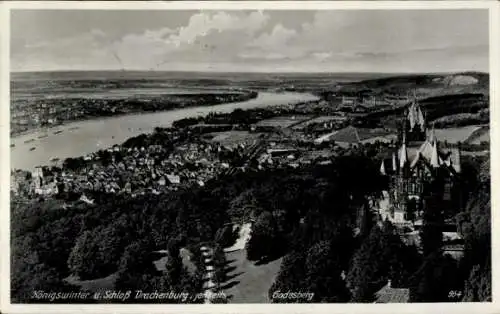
(250, 72)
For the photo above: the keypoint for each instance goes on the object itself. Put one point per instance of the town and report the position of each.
(216, 155)
(410, 151)
(32, 111)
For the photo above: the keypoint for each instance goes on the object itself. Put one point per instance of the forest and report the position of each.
(309, 216)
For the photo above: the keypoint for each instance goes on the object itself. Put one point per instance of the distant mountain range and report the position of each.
(150, 75)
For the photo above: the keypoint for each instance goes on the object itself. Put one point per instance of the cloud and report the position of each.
(207, 35)
(202, 24)
(363, 40)
(276, 39)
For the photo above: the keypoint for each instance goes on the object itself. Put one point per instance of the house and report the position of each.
(349, 100)
(174, 179)
(388, 294)
(85, 199)
(360, 109)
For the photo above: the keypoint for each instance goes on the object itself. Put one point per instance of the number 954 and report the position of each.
(454, 294)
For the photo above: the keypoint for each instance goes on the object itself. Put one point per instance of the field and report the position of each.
(283, 121)
(479, 136)
(250, 282)
(231, 138)
(247, 282)
(485, 137)
(354, 135)
(455, 135)
(321, 119)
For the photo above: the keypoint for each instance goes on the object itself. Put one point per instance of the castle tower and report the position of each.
(394, 165)
(414, 124)
(382, 168)
(403, 156)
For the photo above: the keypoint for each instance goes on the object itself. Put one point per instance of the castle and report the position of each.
(415, 167)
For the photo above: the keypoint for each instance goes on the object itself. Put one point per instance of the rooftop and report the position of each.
(392, 295)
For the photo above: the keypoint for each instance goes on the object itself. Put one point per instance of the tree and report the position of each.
(475, 226)
(381, 257)
(316, 271)
(174, 270)
(134, 258)
(74, 163)
(266, 241)
(245, 206)
(39, 277)
(97, 252)
(83, 260)
(437, 280)
(225, 236)
(478, 285)
(219, 263)
(134, 265)
(323, 274)
(290, 276)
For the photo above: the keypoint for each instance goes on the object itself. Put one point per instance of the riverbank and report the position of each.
(70, 109)
(84, 137)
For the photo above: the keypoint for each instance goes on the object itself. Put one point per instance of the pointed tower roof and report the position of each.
(412, 116)
(382, 168)
(421, 120)
(394, 165)
(425, 152)
(434, 157)
(403, 153)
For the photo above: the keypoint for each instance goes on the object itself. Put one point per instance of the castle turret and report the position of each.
(394, 165)
(434, 156)
(414, 123)
(403, 153)
(382, 168)
(421, 119)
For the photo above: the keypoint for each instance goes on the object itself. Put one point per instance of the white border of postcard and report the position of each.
(5, 7)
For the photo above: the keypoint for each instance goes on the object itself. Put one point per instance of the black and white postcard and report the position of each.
(220, 154)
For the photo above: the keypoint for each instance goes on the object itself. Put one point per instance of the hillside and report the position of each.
(425, 85)
(461, 97)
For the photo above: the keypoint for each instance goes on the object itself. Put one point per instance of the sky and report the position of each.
(389, 41)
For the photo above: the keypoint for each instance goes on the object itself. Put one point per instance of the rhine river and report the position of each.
(83, 137)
